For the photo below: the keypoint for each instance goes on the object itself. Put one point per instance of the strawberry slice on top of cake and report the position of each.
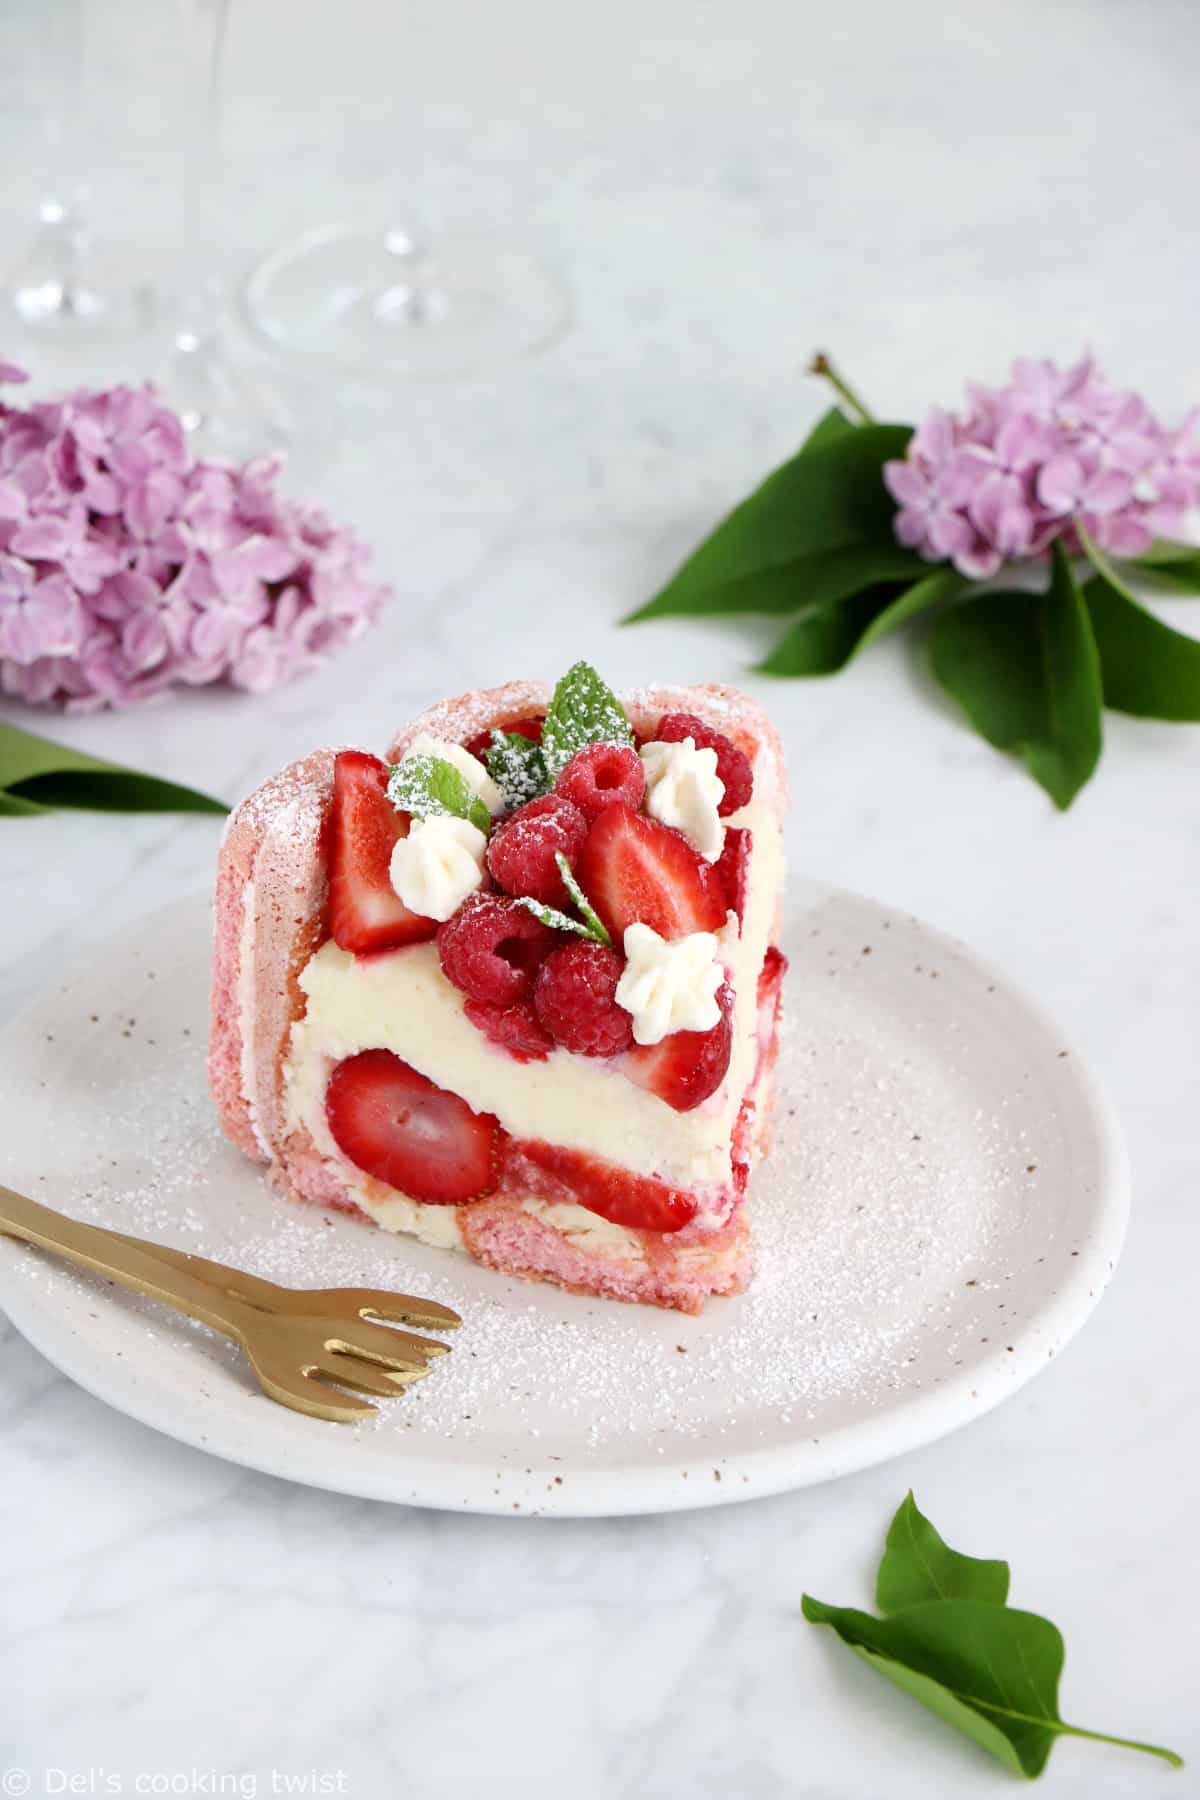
(514, 988)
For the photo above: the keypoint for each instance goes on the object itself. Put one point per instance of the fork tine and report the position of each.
(384, 1344)
(292, 1387)
(378, 1303)
(365, 1377)
(406, 1309)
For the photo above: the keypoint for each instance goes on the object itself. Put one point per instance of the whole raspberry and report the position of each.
(733, 765)
(513, 1028)
(522, 849)
(574, 997)
(491, 947)
(599, 774)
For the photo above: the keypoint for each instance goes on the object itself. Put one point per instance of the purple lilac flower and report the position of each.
(127, 567)
(1028, 462)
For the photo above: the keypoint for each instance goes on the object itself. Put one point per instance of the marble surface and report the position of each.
(925, 191)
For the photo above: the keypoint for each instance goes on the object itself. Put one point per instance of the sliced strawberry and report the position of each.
(530, 728)
(632, 868)
(613, 1193)
(397, 1126)
(365, 912)
(733, 868)
(685, 1068)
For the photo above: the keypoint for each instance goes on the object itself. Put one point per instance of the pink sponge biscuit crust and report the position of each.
(270, 919)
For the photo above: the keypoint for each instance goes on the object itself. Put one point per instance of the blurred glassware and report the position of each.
(228, 408)
(64, 281)
(381, 300)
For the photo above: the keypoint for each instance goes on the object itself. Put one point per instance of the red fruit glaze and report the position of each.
(530, 728)
(733, 868)
(399, 1127)
(637, 1201)
(685, 1068)
(513, 1028)
(733, 765)
(522, 850)
(632, 868)
(770, 976)
(601, 774)
(365, 912)
(573, 997)
(491, 948)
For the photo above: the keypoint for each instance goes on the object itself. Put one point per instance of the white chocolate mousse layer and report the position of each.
(401, 1001)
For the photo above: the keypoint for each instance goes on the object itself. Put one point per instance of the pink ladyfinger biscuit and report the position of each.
(268, 920)
(458, 720)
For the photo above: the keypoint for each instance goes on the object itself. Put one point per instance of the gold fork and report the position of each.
(298, 1340)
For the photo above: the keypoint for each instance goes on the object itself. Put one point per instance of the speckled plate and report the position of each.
(945, 1203)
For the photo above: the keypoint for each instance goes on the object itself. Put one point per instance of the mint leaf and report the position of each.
(917, 1566)
(427, 785)
(829, 497)
(590, 926)
(826, 637)
(595, 925)
(583, 711)
(37, 775)
(985, 1667)
(1146, 667)
(517, 767)
(550, 915)
(1025, 669)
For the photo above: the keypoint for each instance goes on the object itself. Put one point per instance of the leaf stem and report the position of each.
(1102, 1737)
(822, 365)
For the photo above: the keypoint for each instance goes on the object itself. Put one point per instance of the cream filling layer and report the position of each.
(403, 1002)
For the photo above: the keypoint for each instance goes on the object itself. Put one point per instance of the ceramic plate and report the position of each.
(944, 1205)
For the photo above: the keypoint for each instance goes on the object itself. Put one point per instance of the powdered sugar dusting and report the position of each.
(907, 1224)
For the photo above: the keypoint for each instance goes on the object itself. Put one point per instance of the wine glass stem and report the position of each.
(202, 287)
(63, 207)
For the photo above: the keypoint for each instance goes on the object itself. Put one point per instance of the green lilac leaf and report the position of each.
(1146, 667)
(518, 768)
(821, 580)
(991, 1670)
(918, 1566)
(832, 424)
(826, 498)
(1173, 566)
(583, 711)
(825, 638)
(37, 775)
(596, 927)
(950, 1641)
(1026, 671)
(1181, 577)
(426, 786)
